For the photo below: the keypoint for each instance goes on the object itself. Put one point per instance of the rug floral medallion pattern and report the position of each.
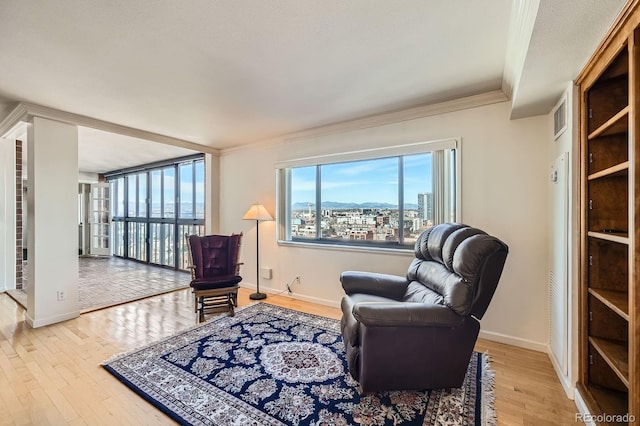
(271, 366)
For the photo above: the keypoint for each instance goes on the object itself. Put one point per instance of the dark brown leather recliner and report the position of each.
(418, 331)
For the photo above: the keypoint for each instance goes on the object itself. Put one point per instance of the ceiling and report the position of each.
(231, 72)
(102, 151)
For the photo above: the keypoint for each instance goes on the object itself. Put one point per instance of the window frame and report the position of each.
(143, 243)
(283, 192)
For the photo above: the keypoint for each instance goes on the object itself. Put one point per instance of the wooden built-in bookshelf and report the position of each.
(609, 365)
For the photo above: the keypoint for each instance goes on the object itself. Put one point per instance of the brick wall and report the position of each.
(18, 214)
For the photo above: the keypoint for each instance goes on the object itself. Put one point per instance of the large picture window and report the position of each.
(154, 206)
(373, 198)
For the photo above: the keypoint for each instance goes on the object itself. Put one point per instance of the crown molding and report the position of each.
(522, 22)
(26, 111)
(18, 114)
(468, 102)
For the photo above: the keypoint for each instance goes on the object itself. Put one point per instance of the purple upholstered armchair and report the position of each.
(214, 272)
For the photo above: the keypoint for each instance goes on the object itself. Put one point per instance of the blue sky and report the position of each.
(364, 181)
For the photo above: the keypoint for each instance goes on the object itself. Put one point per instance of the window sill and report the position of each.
(345, 247)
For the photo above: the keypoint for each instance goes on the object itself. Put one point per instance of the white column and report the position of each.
(211, 194)
(7, 215)
(52, 220)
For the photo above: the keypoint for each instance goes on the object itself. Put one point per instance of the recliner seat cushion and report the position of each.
(418, 293)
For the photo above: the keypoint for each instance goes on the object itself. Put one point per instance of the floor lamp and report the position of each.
(258, 213)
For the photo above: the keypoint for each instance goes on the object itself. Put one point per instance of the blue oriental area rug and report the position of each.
(272, 366)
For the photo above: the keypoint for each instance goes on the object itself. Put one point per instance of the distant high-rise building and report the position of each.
(425, 206)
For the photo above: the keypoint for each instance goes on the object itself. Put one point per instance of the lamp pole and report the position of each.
(257, 295)
(257, 212)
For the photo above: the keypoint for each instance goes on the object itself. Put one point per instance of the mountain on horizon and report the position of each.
(333, 205)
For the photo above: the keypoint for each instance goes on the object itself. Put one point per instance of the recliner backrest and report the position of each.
(461, 263)
(215, 255)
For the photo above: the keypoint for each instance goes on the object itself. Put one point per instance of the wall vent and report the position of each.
(560, 117)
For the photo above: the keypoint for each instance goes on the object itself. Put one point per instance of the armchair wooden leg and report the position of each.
(201, 310)
(232, 304)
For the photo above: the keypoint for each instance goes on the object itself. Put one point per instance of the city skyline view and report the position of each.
(359, 200)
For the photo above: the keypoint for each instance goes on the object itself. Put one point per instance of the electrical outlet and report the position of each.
(296, 280)
(61, 295)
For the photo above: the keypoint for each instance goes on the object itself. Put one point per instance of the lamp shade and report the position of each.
(257, 212)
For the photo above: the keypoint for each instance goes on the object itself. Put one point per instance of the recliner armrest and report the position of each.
(405, 314)
(385, 285)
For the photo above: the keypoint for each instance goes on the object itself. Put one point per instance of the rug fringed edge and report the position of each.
(488, 398)
(171, 336)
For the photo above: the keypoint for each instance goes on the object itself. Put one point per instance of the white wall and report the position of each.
(504, 192)
(52, 221)
(212, 192)
(7, 215)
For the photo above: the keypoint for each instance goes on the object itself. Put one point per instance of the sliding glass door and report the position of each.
(154, 207)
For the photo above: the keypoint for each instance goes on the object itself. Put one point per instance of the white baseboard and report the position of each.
(41, 322)
(488, 335)
(513, 341)
(317, 300)
(582, 408)
(297, 296)
(565, 381)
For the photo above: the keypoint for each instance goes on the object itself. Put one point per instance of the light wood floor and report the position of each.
(52, 376)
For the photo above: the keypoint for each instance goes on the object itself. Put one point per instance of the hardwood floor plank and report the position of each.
(52, 375)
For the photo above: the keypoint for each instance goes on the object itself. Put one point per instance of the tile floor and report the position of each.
(109, 281)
